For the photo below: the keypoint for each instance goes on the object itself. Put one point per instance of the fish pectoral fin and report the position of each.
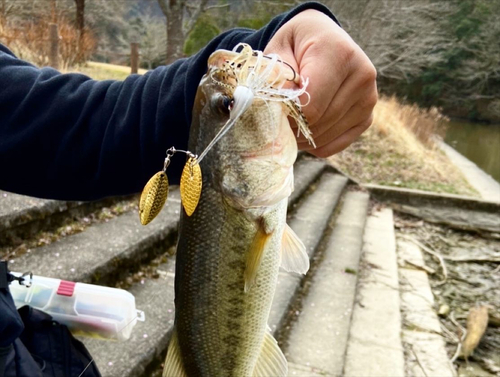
(271, 361)
(173, 362)
(254, 256)
(294, 257)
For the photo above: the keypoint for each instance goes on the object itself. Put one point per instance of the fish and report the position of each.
(230, 248)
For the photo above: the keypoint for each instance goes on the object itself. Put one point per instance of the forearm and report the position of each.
(65, 136)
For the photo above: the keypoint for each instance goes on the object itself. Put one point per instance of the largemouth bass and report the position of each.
(230, 249)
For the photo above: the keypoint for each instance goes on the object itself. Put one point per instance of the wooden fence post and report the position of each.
(54, 46)
(134, 57)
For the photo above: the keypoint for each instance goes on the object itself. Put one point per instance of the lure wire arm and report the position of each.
(171, 151)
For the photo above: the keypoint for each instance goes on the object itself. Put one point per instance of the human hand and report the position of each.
(342, 82)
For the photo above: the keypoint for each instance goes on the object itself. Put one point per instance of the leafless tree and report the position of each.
(181, 16)
(407, 38)
(401, 37)
(6, 8)
(80, 23)
(152, 40)
(181, 19)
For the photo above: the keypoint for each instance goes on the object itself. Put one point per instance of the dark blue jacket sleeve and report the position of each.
(65, 136)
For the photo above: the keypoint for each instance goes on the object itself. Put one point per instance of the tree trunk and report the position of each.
(54, 46)
(53, 11)
(80, 26)
(175, 35)
(134, 57)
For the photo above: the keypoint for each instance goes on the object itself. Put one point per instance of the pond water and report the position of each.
(478, 142)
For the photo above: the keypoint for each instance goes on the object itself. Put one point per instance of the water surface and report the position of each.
(478, 142)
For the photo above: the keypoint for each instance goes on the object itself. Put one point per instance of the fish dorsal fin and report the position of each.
(254, 256)
(173, 362)
(271, 361)
(293, 253)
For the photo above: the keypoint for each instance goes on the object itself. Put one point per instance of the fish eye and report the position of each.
(228, 103)
(223, 104)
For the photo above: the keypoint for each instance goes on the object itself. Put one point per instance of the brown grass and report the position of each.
(398, 150)
(29, 40)
(104, 71)
(391, 115)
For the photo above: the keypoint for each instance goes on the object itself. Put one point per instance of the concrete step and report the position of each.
(306, 170)
(105, 252)
(421, 334)
(374, 347)
(318, 337)
(309, 222)
(17, 209)
(23, 216)
(456, 211)
(147, 346)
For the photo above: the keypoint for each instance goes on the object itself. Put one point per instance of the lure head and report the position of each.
(251, 165)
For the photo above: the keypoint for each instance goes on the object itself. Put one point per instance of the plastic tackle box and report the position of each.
(87, 309)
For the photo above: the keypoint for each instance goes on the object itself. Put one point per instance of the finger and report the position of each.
(323, 57)
(343, 141)
(285, 53)
(282, 45)
(326, 72)
(356, 95)
(358, 113)
(357, 92)
(355, 116)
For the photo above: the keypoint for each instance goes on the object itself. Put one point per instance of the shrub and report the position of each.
(203, 32)
(29, 40)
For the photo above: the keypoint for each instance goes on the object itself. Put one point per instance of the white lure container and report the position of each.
(87, 309)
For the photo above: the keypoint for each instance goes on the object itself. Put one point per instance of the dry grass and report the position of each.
(392, 116)
(29, 40)
(103, 71)
(398, 150)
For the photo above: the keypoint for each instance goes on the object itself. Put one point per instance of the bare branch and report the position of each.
(193, 17)
(433, 253)
(217, 6)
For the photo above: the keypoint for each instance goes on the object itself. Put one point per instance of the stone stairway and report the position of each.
(22, 216)
(342, 318)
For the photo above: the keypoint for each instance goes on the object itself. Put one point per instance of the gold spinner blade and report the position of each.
(153, 197)
(191, 185)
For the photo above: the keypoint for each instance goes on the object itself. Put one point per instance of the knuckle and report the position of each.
(366, 123)
(371, 100)
(371, 72)
(368, 75)
(346, 51)
(313, 114)
(369, 87)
